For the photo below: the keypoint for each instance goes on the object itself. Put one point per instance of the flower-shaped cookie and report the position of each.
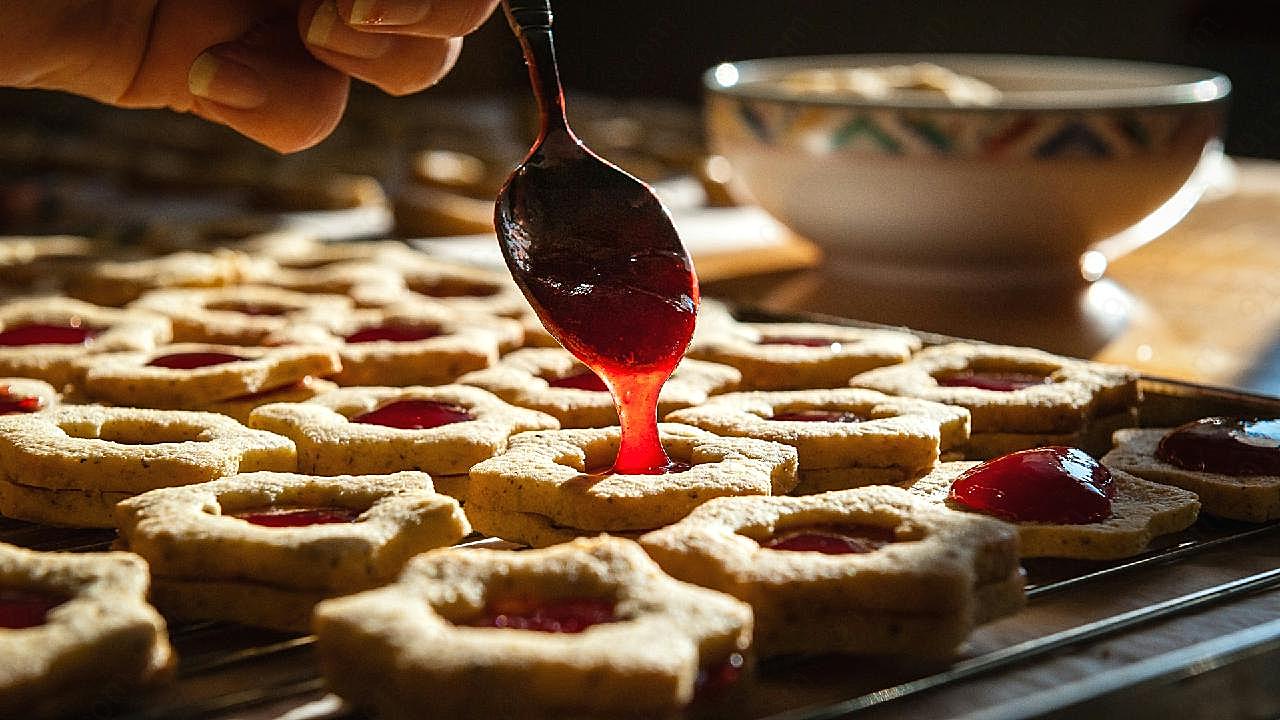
(74, 627)
(459, 287)
(21, 396)
(292, 250)
(71, 465)
(240, 315)
(44, 337)
(441, 430)
(196, 376)
(867, 570)
(215, 546)
(1019, 398)
(116, 283)
(845, 437)
(41, 262)
(1140, 511)
(588, 629)
(797, 356)
(554, 382)
(562, 478)
(1252, 495)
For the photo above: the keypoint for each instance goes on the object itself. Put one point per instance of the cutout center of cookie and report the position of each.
(447, 289)
(193, 360)
(393, 333)
(1053, 484)
(999, 381)
(584, 380)
(811, 342)
(20, 609)
(563, 615)
(73, 332)
(282, 516)
(252, 309)
(415, 415)
(832, 539)
(11, 404)
(815, 415)
(1226, 446)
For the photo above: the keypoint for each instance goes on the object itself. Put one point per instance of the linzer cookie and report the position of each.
(296, 251)
(797, 356)
(562, 479)
(1232, 464)
(242, 406)
(116, 283)
(69, 466)
(458, 287)
(1019, 398)
(22, 396)
(44, 337)
(870, 570)
(241, 315)
(441, 430)
(1064, 503)
(197, 376)
(588, 629)
(218, 549)
(75, 629)
(41, 262)
(340, 278)
(845, 437)
(552, 381)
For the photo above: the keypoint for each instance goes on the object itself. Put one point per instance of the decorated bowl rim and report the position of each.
(1168, 85)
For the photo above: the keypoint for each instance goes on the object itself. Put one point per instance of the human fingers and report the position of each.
(422, 18)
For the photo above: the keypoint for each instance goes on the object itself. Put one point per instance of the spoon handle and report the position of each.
(530, 20)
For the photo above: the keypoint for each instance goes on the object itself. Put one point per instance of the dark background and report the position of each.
(659, 48)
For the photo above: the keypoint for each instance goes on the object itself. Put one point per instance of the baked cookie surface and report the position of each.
(240, 314)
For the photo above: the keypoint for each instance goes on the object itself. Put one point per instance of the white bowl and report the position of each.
(1072, 152)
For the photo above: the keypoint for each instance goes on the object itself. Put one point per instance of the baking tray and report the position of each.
(1190, 628)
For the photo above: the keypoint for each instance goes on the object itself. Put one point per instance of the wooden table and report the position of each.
(1199, 303)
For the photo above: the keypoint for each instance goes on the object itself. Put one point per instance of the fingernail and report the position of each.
(388, 12)
(226, 82)
(329, 32)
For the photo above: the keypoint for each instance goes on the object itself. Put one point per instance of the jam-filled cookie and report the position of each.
(1064, 503)
(797, 356)
(554, 382)
(441, 430)
(1232, 464)
(194, 376)
(458, 287)
(218, 549)
(43, 338)
(23, 396)
(563, 479)
(588, 629)
(41, 262)
(870, 570)
(241, 315)
(845, 437)
(75, 629)
(71, 465)
(116, 283)
(1019, 398)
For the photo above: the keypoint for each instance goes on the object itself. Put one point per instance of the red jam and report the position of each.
(832, 539)
(11, 404)
(565, 615)
(585, 380)
(813, 342)
(838, 416)
(193, 360)
(280, 517)
(21, 609)
(72, 333)
(415, 415)
(1050, 485)
(1226, 446)
(393, 333)
(253, 309)
(998, 381)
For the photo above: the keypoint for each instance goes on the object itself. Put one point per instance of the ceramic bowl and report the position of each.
(1071, 152)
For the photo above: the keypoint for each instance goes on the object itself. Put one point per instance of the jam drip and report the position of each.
(997, 381)
(832, 539)
(585, 380)
(21, 609)
(838, 416)
(1226, 446)
(415, 415)
(1051, 485)
(813, 342)
(72, 333)
(393, 333)
(284, 516)
(11, 404)
(193, 360)
(564, 615)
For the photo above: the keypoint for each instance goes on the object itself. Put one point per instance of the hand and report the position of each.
(276, 70)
